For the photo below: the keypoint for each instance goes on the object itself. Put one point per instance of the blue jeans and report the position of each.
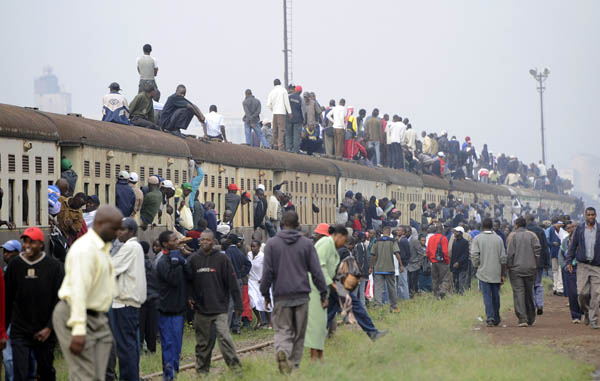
(424, 282)
(7, 358)
(360, 291)
(402, 285)
(360, 314)
(376, 145)
(171, 336)
(491, 300)
(125, 323)
(258, 131)
(538, 290)
(570, 283)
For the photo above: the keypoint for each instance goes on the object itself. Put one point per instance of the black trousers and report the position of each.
(44, 357)
(149, 324)
(180, 120)
(141, 122)
(396, 156)
(413, 282)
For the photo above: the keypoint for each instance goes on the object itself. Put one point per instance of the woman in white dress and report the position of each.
(257, 301)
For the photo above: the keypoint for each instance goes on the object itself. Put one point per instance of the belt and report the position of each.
(94, 313)
(587, 262)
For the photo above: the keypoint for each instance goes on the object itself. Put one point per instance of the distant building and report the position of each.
(48, 96)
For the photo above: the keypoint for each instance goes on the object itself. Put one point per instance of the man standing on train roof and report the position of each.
(214, 125)
(115, 109)
(293, 127)
(124, 195)
(147, 67)
(251, 119)
(141, 110)
(178, 112)
(279, 104)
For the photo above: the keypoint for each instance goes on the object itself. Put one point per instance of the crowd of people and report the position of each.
(104, 296)
(300, 124)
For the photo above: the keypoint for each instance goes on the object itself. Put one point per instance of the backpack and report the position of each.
(439, 252)
(59, 245)
(349, 273)
(426, 266)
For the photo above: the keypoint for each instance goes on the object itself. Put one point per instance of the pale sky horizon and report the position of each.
(460, 66)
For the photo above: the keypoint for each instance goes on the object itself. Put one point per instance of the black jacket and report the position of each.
(172, 282)
(212, 282)
(151, 280)
(544, 260)
(404, 250)
(289, 257)
(460, 255)
(241, 263)
(260, 210)
(362, 257)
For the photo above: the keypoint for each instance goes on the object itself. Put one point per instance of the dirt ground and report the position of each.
(554, 328)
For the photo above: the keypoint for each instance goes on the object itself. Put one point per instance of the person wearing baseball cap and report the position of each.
(124, 195)
(139, 195)
(116, 108)
(129, 268)
(11, 249)
(459, 260)
(295, 121)
(151, 203)
(32, 283)
(232, 199)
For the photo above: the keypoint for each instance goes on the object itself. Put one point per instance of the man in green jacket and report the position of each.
(151, 202)
(141, 109)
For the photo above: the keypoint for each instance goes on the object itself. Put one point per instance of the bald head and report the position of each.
(107, 222)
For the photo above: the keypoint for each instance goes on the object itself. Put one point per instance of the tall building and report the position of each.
(48, 96)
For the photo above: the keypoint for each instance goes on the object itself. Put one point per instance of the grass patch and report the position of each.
(428, 340)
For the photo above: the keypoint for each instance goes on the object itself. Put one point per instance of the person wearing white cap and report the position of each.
(459, 260)
(139, 195)
(125, 196)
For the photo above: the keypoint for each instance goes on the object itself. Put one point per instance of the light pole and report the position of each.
(541, 77)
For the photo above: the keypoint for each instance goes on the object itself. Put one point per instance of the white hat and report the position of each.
(133, 177)
(444, 132)
(459, 229)
(261, 187)
(441, 154)
(123, 175)
(168, 184)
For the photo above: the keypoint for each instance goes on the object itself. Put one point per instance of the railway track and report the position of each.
(188, 366)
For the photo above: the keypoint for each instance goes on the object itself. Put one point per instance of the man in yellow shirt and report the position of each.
(86, 293)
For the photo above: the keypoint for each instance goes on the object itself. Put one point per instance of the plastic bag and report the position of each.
(185, 218)
(369, 288)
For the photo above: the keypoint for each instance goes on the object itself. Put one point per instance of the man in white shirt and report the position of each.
(337, 117)
(410, 138)
(115, 107)
(147, 67)
(274, 210)
(129, 268)
(395, 137)
(279, 104)
(214, 125)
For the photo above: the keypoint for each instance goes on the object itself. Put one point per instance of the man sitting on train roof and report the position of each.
(141, 109)
(178, 112)
(115, 107)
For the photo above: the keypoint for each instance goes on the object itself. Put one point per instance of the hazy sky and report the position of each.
(460, 66)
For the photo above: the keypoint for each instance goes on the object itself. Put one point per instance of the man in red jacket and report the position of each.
(437, 252)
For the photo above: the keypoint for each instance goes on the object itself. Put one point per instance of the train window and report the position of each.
(169, 174)
(292, 186)
(212, 181)
(253, 183)
(242, 183)
(212, 197)
(142, 174)
(107, 171)
(177, 177)
(160, 172)
(38, 164)
(184, 173)
(205, 179)
(312, 188)
(305, 187)
(97, 169)
(11, 163)
(97, 189)
(86, 188)
(86, 168)
(25, 203)
(219, 202)
(321, 188)
(11, 201)
(50, 165)
(107, 193)
(25, 163)
(220, 182)
(127, 168)
(297, 187)
(151, 171)
(38, 201)
(117, 170)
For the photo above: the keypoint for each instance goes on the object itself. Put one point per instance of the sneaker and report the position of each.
(576, 321)
(378, 335)
(522, 325)
(586, 319)
(595, 325)
(540, 311)
(283, 363)
(490, 324)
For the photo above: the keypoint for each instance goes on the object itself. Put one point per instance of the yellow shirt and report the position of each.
(89, 282)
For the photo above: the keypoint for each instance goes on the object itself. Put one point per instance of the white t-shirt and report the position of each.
(337, 116)
(146, 65)
(214, 122)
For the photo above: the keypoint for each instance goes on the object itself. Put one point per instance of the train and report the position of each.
(32, 144)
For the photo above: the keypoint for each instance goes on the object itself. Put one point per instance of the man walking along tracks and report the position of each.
(289, 257)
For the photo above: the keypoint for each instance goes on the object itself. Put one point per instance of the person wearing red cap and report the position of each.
(293, 127)
(32, 282)
(232, 199)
